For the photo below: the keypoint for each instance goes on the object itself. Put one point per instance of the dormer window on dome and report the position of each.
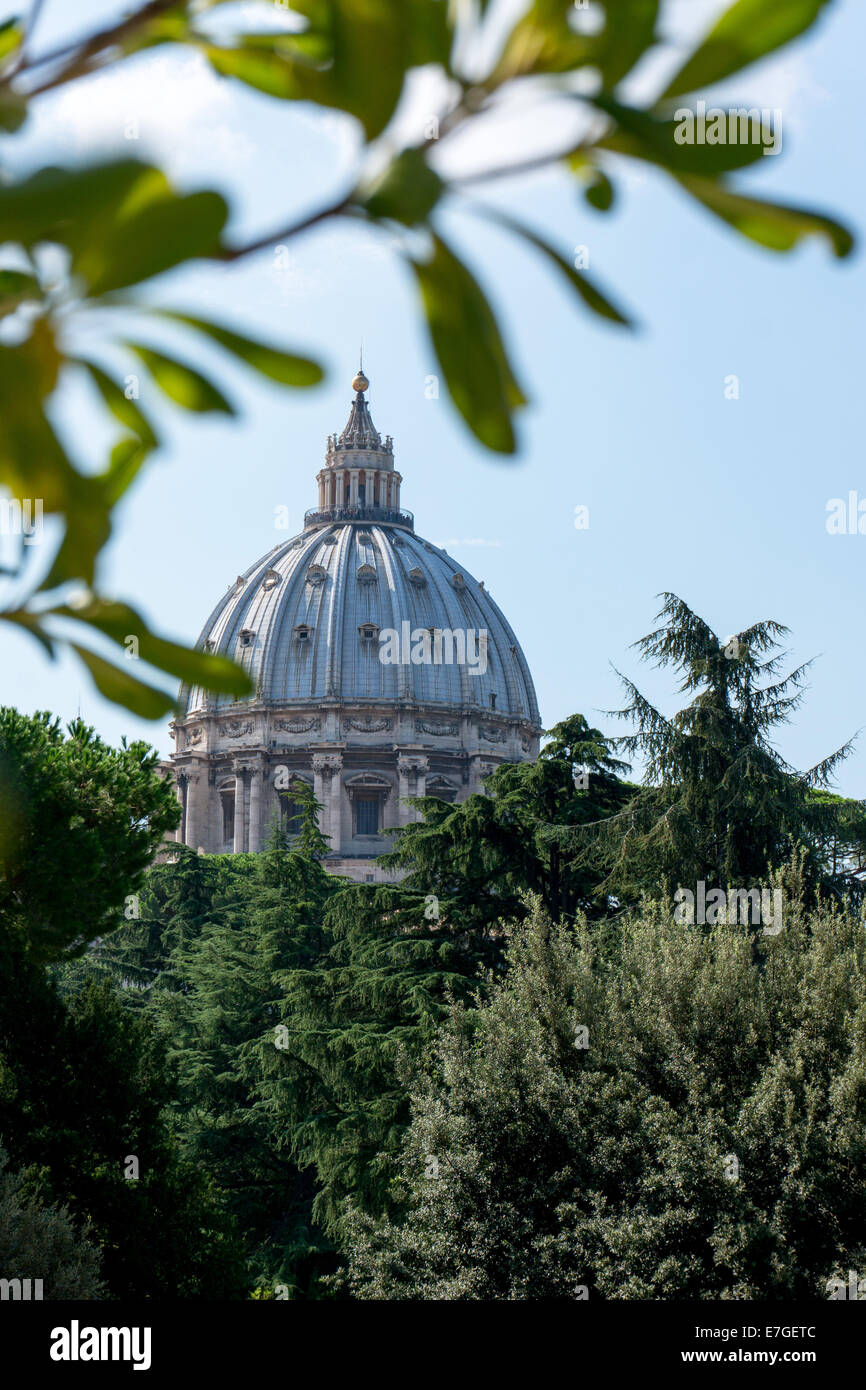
(302, 633)
(417, 577)
(366, 574)
(271, 580)
(458, 581)
(246, 637)
(368, 632)
(316, 574)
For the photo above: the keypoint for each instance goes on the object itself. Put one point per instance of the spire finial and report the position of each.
(360, 382)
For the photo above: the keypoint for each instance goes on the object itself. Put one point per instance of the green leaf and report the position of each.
(181, 383)
(172, 26)
(272, 362)
(469, 347)
(126, 460)
(429, 31)
(264, 67)
(599, 191)
(121, 688)
(16, 288)
(33, 462)
(407, 190)
(628, 33)
(353, 56)
(11, 34)
(32, 623)
(592, 297)
(770, 224)
(88, 528)
(13, 110)
(119, 622)
(541, 41)
(122, 221)
(164, 233)
(88, 514)
(72, 207)
(746, 31)
(121, 407)
(641, 135)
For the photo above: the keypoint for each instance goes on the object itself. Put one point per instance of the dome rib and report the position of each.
(336, 665)
(322, 584)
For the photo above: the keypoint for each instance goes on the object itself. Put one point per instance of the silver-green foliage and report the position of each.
(41, 1242)
(708, 1141)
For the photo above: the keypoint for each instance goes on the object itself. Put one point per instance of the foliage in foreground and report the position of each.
(83, 245)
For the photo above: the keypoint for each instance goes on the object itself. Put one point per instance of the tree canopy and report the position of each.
(659, 1113)
(718, 802)
(79, 824)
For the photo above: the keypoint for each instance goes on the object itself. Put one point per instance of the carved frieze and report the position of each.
(367, 726)
(236, 728)
(436, 727)
(299, 726)
(491, 734)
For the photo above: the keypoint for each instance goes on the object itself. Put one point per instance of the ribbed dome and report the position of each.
(296, 621)
(384, 673)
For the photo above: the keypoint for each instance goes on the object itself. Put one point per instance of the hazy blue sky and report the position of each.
(722, 501)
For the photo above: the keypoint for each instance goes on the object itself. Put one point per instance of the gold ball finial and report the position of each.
(360, 382)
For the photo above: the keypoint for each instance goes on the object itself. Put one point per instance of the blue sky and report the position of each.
(722, 501)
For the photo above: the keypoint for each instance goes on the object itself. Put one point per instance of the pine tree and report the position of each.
(482, 855)
(719, 804)
(356, 1018)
